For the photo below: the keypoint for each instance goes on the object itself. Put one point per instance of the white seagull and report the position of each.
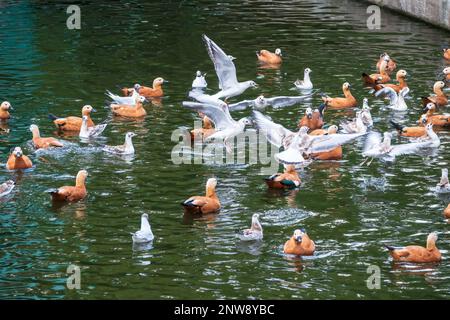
(125, 149)
(306, 83)
(199, 81)
(226, 127)
(6, 187)
(87, 132)
(261, 102)
(226, 72)
(356, 125)
(443, 186)
(255, 233)
(145, 234)
(131, 100)
(396, 101)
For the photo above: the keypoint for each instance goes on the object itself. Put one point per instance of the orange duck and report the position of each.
(377, 78)
(439, 99)
(129, 111)
(4, 110)
(446, 73)
(17, 160)
(73, 123)
(417, 253)
(401, 79)
(203, 204)
(390, 66)
(446, 53)
(313, 119)
(72, 193)
(340, 103)
(447, 212)
(155, 91)
(266, 56)
(411, 132)
(438, 120)
(300, 244)
(335, 154)
(43, 143)
(319, 132)
(204, 132)
(289, 179)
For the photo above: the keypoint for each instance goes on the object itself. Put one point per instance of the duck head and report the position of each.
(401, 74)
(438, 85)
(5, 106)
(278, 52)
(87, 109)
(309, 113)
(298, 235)
(429, 107)
(81, 177)
(346, 86)
(17, 152)
(159, 82)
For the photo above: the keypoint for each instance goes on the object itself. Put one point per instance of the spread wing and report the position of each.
(219, 115)
(97, 130)
(283, 101)
(326, 143)
(408, 148)
(224, 66)
(121, 100)
(372, 139)
(274, 133)
(290, 156)
(202, 97)
(390, 93)
(241, 105)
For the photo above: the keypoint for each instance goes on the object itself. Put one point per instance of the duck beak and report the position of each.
(165, 82)
(93, 110)
(424, 110)
(298, 239)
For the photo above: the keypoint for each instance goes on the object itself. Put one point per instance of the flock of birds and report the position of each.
(314, 140)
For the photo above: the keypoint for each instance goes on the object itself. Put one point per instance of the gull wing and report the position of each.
(200, 96)
(404, 92)
(219, 115)
(372, 139)
(408, 148)
(290, 156)
(224, 66)
(97, 130)
(284, 101)
(241, 105)
(274, 133)
(390, 93)
(121, 100)
(329, 142)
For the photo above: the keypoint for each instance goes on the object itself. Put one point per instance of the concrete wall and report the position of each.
(436, 12)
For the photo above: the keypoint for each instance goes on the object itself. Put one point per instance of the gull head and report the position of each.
(278, 52)
(309, 113)
(18, 152)
(231, 57)
(386, 57)
(260, 100)
(252, 84)
(423, 119)
(130, 135)
(198, 73)
(5, 105)
(303, 130)
(136, 87)
(145, 216)
(246, 121)
(140, 99)
(85, 118)
(308, 71)
(366, 104)
(429, 127)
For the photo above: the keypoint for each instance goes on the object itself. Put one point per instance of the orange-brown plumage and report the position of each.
(130, 111)
(418, 254)
(447, 212)
(439, 98)
(43, 143)
(73, 123)
(17, 160)
(72, 193)
(149, 92)
(204, 132)
(401, 79)
(287, 180)
(4, 110)
(266, 56)
(340, 103)
(299, 244)
(209, 203)
(446, 53)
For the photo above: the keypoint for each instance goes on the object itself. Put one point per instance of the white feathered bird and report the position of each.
(87, 132)
(145, 234)
(255, 232)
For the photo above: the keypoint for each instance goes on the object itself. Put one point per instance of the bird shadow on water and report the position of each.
(77, 209)
(189, 219)
(252, 247)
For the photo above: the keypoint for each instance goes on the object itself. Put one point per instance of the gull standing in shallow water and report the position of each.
(443, 186)
(145, 234)
(306, 83)
(226, 72)
(255, 232)
(125, 149)
(374, 147)
(199, 81)
(226, 127)
(86, 132)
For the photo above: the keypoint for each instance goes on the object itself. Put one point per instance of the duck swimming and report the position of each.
(377, 78)
(43, 143)
(199, 81)
(266, 56)
(255, 233)
(411, 132)
(300, 244)
(72, 193)
(306, 83)
(390, 66)
(401, 79)
(4, 110)
(438, 120)
(144, 234)
(289, 179)
(447, 212)
(126, 149)
(313, 119)
(443, 186)
(446, 53)
(73, 123)
(6, 187)
(155, 91)
(340, 103)
(319, 132)
(439, 99)
(203, 204)
(87, 132)
(204, 132)
(17, 160)
(417, 254)
(356, 125)
(130, 111)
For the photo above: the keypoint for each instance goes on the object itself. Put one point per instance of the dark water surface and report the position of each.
(347, 209)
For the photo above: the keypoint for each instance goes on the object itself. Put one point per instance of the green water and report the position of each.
(348, 210)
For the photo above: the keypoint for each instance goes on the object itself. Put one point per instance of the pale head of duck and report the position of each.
(81, 177)
(402, 74)
(432, 237)
(346, 86)
(87, 109)
(438, 85)
(298, 235)
(34, 129)
(140, 99)
(446, 70)
(444, 172)
(278, 52)
(17, 152)
(430, 107)
(211, 184)
(309, 112)
(5, 105)
(159, 82)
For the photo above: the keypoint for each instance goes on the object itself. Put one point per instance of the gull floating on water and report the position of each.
(226, 72)
(199, 81)
(130, 100)
(306, 83)
(6, 187)
(255, 232)
(443, 186)
(355, 126)
(86, 132)
(375, 147)
(261, 102)
(396, 101)
(125, 149)
(226, 126)
(145, 234)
